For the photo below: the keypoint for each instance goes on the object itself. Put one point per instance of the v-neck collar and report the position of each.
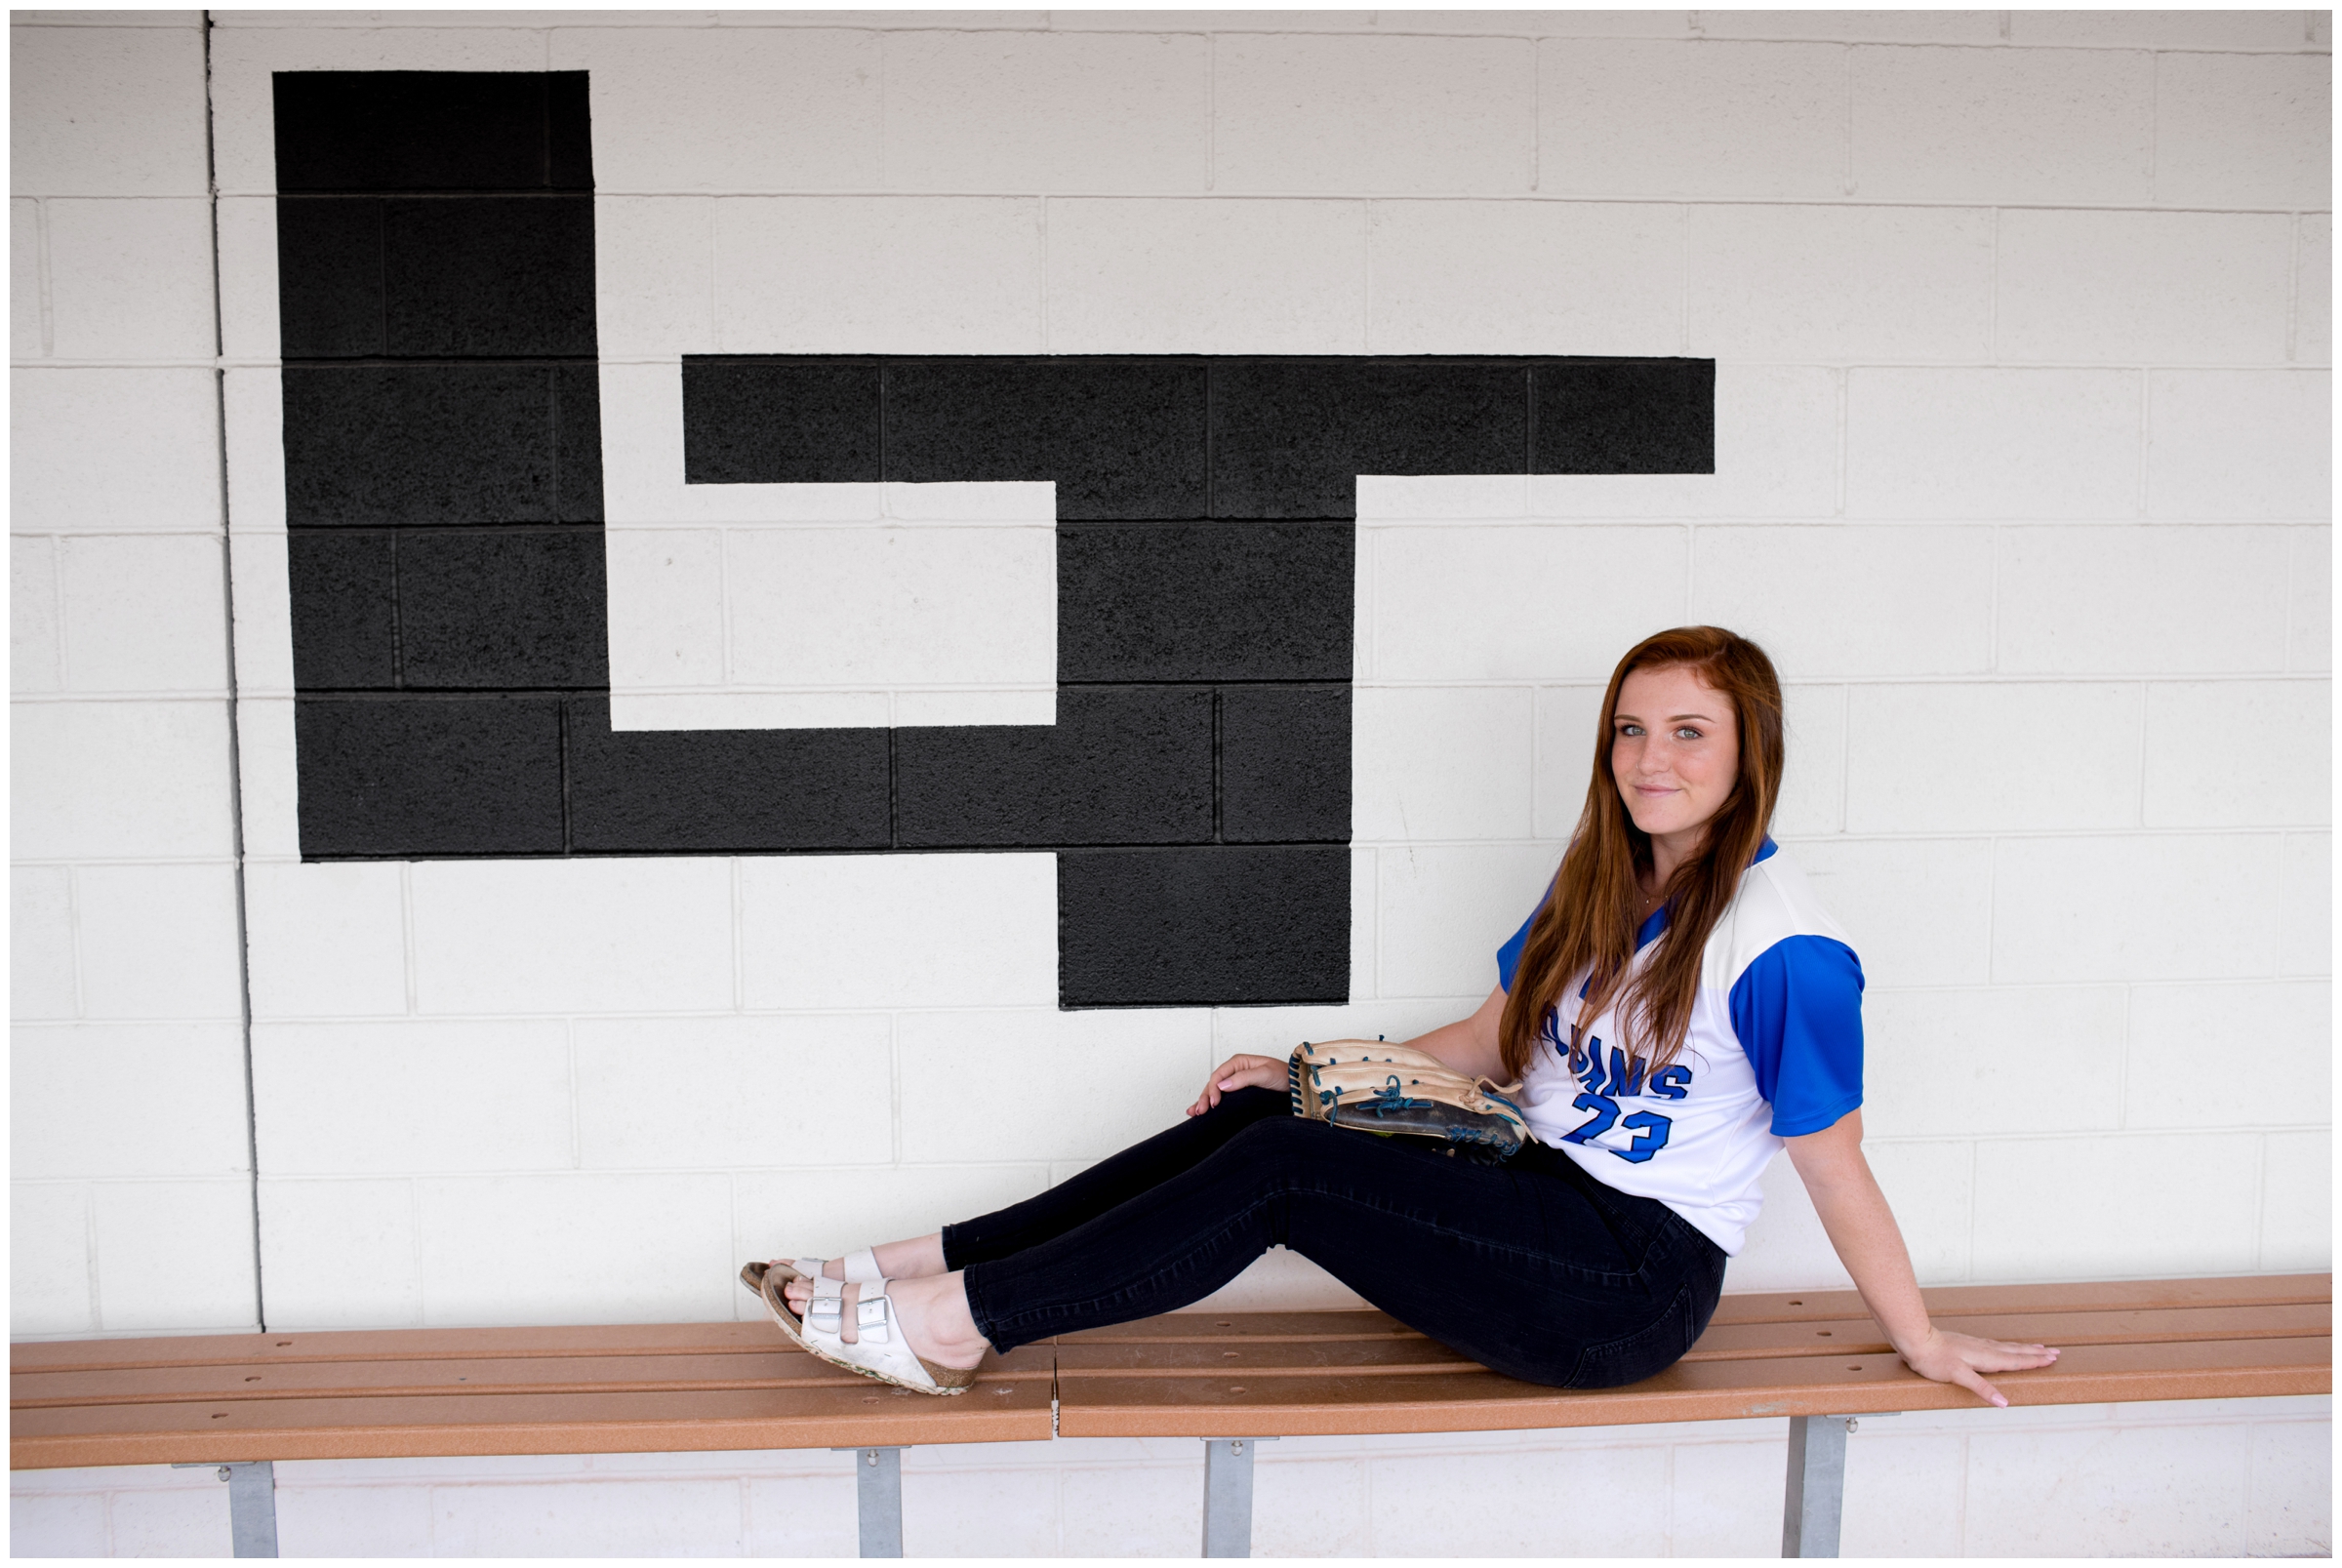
(1657, 921)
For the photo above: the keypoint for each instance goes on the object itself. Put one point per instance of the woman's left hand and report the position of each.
(1961, 1359)
(1239, 1073)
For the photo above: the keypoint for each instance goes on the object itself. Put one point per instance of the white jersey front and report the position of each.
(1774, 1050)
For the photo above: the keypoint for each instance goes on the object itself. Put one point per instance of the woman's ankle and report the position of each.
(945, 1331)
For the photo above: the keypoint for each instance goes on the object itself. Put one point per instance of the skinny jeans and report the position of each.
(1532, 1267)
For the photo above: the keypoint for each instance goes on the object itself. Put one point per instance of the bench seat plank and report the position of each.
(1280, 1403)
(778, 1365)
(398, 1344)
(854, 1412)
(2143, 1326)
(1374, 1344)
(2116, 1295)
(1333, 1347)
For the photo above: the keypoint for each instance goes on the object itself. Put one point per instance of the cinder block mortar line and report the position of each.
(2154, 119)
(235, 780)
(406, 920)
(1992, 609)
(895, 688)
(1211, 111)
(2123, 1065)
(1979, 677)
(1549, 197)
(577, 1141)
(136, 362)
(58, 612)
(739, 956)
(871, 22)
(1683, 305)
(1992, 300)
(894, 1087)
(1839, 365)
(1846, 60)
(89, 1252)
(2293, 298)
(72, 933)
(723, 600)
(41, 273)
(2260, 1202)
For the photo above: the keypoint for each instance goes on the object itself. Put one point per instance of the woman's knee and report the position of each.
(1253, 1106)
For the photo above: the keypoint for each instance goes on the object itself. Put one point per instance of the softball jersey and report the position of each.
(1774, 1050)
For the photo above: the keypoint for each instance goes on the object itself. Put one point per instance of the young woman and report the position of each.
(1678, 1008)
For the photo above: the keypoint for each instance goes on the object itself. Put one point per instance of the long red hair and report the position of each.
(1587, 924)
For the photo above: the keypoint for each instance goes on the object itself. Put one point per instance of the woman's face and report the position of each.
(1674, 750)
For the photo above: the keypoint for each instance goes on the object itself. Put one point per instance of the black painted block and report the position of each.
(1284, 764)
(468, 276)
(1121, 437)
(383, 131)
(429, 776)
(568, 131)
(1118, 767)
(1204, 601)
(329, 276)
(578, 443)
(344, 590)
(1290, 436)
(1220, 925)
(488, 608)
(1644, 416)
(722, 791)
(788, 421)
(383, 444)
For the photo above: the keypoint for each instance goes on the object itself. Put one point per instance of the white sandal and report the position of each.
(880, 1349)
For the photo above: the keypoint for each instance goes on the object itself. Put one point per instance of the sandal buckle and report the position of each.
(870, 1319)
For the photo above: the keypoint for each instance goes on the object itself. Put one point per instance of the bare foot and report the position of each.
(933, 1312)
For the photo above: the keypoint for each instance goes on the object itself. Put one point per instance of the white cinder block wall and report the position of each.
(2022, 323)
(132, 1188)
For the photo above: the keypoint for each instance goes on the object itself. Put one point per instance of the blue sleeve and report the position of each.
(1797, 1011)
(1507, 957)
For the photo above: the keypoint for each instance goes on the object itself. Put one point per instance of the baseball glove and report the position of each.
(1378, 1087)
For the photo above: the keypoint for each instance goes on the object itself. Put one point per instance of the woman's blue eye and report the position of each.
(1630, 729)
(1687, 733)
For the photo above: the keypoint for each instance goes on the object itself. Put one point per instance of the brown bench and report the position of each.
(1232, 1379)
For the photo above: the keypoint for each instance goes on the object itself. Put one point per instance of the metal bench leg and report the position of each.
(1227, 1495)
(250, 1505)
(878, 1499)
(1817, 1485)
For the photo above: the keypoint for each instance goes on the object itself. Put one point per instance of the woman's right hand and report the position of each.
(1239, 1073)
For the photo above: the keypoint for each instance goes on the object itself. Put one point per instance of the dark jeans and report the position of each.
(1532, 1267)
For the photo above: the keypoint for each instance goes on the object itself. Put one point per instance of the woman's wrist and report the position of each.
(1912, 1341)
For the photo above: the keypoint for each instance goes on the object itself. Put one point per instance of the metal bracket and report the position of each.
(250, 1505)
(1817, 1485)
(878, 1499)
(1227, 1495)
